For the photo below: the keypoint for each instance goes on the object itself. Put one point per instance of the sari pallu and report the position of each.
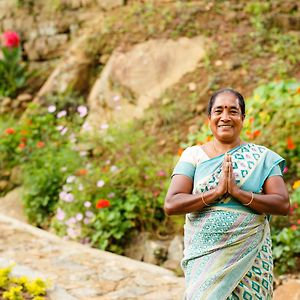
(227, 246)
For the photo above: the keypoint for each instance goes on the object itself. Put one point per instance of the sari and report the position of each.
(227, 246)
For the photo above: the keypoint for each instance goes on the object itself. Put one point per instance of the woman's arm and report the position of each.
(179, 199)
(274, 201)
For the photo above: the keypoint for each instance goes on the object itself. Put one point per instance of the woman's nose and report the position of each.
(225, 115)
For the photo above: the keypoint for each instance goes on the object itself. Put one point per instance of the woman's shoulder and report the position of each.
(194, 154)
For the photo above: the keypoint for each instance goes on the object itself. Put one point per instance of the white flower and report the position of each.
(86, 127)
(116, 98)
(70, 179)
(89, 214)
(83, 153)
(113, 169)
(82, 111)
(111, 195)
(80, 187)
(61, 114)
(86, 221)
(51, 109)
(63, 169)
(60, 214)
(79, 216)
(104, 126)
(63, 132)
(87, 204)
(118, 107)
(60, 127)
(69, 198)
(100, 183)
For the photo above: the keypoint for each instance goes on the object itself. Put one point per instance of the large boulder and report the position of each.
(132, 80)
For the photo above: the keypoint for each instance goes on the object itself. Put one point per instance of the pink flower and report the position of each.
(285, 170)
(11, 39)
(161, 173)
(82, 110)
(60, 214)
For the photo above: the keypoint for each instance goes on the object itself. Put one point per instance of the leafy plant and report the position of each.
(14, 73)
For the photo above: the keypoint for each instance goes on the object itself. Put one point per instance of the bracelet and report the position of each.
(203, 200)
(252, 196)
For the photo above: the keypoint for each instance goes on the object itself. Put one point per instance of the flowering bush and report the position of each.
(286, 236)
(43, 143)
(18, 288)
(13, 72)
(119, 193)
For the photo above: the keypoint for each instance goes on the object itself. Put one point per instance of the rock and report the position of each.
(6, 101)
(73, 70)
(192, 86)
(44, 47)
(136, 247)
(16, 176)
(3, 185)
(175, 250)
(289, 290)
(11, 205)
(109, 4)
(155, 252)
(141, 75)
(106, 275)
(24, 97)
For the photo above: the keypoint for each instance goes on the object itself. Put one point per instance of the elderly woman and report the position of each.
(227, 188)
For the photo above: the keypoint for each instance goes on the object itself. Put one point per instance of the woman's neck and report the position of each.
(221, 147)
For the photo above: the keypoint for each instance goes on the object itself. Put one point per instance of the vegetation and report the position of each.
(20, 288)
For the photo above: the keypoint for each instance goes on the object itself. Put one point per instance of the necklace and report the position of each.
(220, 152)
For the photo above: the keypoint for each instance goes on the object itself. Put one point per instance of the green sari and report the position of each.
(227, 246)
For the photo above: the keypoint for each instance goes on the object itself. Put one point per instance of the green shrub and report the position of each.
(120, 192)
(286, 237)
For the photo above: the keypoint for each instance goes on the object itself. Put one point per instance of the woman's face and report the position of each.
(226, 120)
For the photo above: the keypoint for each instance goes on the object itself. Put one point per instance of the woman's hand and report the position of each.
(232, 187)
(222, 187)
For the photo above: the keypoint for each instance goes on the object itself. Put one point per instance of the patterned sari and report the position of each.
(227, 246)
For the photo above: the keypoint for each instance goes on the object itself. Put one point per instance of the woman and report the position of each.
(227, 188)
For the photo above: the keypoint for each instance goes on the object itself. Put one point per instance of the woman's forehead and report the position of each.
(226, 99)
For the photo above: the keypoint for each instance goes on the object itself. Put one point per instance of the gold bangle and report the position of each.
(203, 200)
(252, 196)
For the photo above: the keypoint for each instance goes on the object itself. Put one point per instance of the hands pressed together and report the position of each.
(227, 182)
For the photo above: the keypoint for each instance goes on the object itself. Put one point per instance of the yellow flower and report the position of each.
(296, 184)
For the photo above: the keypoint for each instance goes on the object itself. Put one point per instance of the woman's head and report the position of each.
(226, 90)
(226, 113)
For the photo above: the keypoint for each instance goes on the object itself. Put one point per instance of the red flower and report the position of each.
(161, 173)
(179, 152)
(11, 39)
(251, 120)
(298, 221)
(40, 144)
(22, 146)
(102, 203)
(10, 131)
(294, 227)
(290, 144)
(82, 172)
(256, 133)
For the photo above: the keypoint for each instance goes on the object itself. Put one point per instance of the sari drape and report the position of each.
(227, 246)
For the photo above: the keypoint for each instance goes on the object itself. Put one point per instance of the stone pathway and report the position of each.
(80, 272)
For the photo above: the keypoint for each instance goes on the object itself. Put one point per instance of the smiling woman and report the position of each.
(227, 188)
